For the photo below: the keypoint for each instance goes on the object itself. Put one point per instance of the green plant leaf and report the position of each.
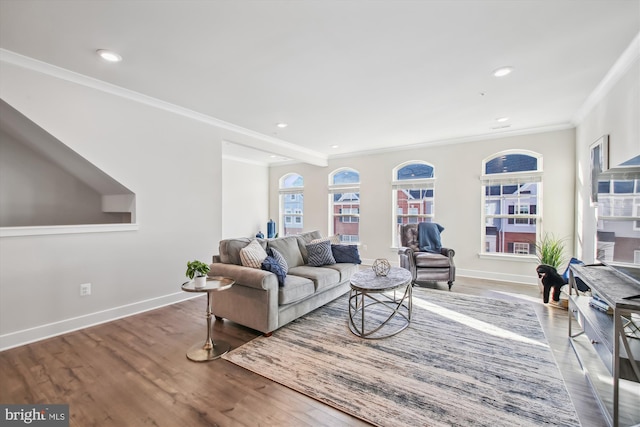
(550, 250)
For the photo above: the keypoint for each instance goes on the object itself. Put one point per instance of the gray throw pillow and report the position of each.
(320, 254)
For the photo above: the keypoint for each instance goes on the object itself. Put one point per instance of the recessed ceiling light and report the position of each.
(335, 146)
(282, 125)
(502, 119)
(502, 71)
(109, 55)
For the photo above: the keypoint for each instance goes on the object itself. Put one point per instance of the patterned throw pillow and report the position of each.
(346, 253)
(320, 253)
(280, 260)
(270, 264)
(252, 255)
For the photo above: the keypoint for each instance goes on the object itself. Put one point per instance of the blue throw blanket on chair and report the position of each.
(429, 236)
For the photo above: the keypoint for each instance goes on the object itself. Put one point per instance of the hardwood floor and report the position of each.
(134, 372)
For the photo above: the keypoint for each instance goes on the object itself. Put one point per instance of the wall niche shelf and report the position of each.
(48, 188)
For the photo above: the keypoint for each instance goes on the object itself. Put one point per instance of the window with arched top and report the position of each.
(344, 202)
(291, 189)
(511, 195)
(413, 194)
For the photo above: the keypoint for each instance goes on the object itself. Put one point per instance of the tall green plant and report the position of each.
(550, 250)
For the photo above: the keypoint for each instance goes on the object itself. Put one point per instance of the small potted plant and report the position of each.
(197, 271)
(550, 251)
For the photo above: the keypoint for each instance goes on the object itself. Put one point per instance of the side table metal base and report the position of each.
(204, 353)
(388, 309)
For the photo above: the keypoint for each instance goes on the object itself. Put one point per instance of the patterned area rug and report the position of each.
(463, 361)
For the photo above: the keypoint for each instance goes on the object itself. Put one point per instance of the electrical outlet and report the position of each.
(364, 247)
(85, 289)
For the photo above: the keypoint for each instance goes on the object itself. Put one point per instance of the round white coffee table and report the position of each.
(381, 303)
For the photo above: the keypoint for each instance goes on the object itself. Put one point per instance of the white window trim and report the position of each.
(283, 192)
(510, 178)
(408, 184)
(341, 189)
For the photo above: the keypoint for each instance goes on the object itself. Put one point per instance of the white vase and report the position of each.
(200, 281)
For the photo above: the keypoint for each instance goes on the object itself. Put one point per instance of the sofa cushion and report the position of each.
(346, 253)
(320, 254)
(288, 248)
(346, 270)
(322, 277)
(270, 264)
(308, 236)
(295, 288)
(429, 259)
(252, 255)
(229, 250)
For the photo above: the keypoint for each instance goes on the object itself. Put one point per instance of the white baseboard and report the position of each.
(501, 277)
(26, 336)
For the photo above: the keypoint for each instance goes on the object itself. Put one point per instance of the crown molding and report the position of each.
(617, 71)
(232, 132)
(458, 140)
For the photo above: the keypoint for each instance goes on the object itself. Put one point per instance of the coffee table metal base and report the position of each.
(398, 308)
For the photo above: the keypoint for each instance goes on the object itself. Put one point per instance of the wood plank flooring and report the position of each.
(134, 372)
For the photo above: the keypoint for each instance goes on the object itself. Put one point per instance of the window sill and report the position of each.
(65, 229)
(509, 257)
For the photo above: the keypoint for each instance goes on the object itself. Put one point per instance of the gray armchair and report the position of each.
(425, 267)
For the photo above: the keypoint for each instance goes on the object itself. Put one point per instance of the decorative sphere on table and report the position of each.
(381, 267)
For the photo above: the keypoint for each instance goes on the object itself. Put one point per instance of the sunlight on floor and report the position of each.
(527, 298)
(475, 323)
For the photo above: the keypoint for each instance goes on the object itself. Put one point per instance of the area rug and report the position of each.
(463, 361)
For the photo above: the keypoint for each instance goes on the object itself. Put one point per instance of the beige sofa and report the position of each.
(257, 301)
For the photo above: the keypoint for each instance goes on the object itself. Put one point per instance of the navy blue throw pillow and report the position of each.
(270, 264)
(346, 253)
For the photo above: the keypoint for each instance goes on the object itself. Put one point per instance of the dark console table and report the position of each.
(607, 344)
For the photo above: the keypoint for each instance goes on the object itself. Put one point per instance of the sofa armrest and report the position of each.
(405, 251)
(245, 276)
(407, 261)
(448, 252)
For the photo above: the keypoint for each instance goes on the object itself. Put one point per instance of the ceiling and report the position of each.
(347, 76)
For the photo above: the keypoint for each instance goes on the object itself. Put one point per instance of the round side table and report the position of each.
(378, 294)
(209, 350)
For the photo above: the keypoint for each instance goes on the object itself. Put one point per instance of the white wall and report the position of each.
(245, 198)
(458, 197)
(173, 165)
(617, 114)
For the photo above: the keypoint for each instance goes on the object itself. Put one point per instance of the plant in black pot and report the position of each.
(550, 252)
(197, 271)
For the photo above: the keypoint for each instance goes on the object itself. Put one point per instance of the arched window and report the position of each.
(413, 194)
(291, 204)
(344, 202)
(511, 189)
